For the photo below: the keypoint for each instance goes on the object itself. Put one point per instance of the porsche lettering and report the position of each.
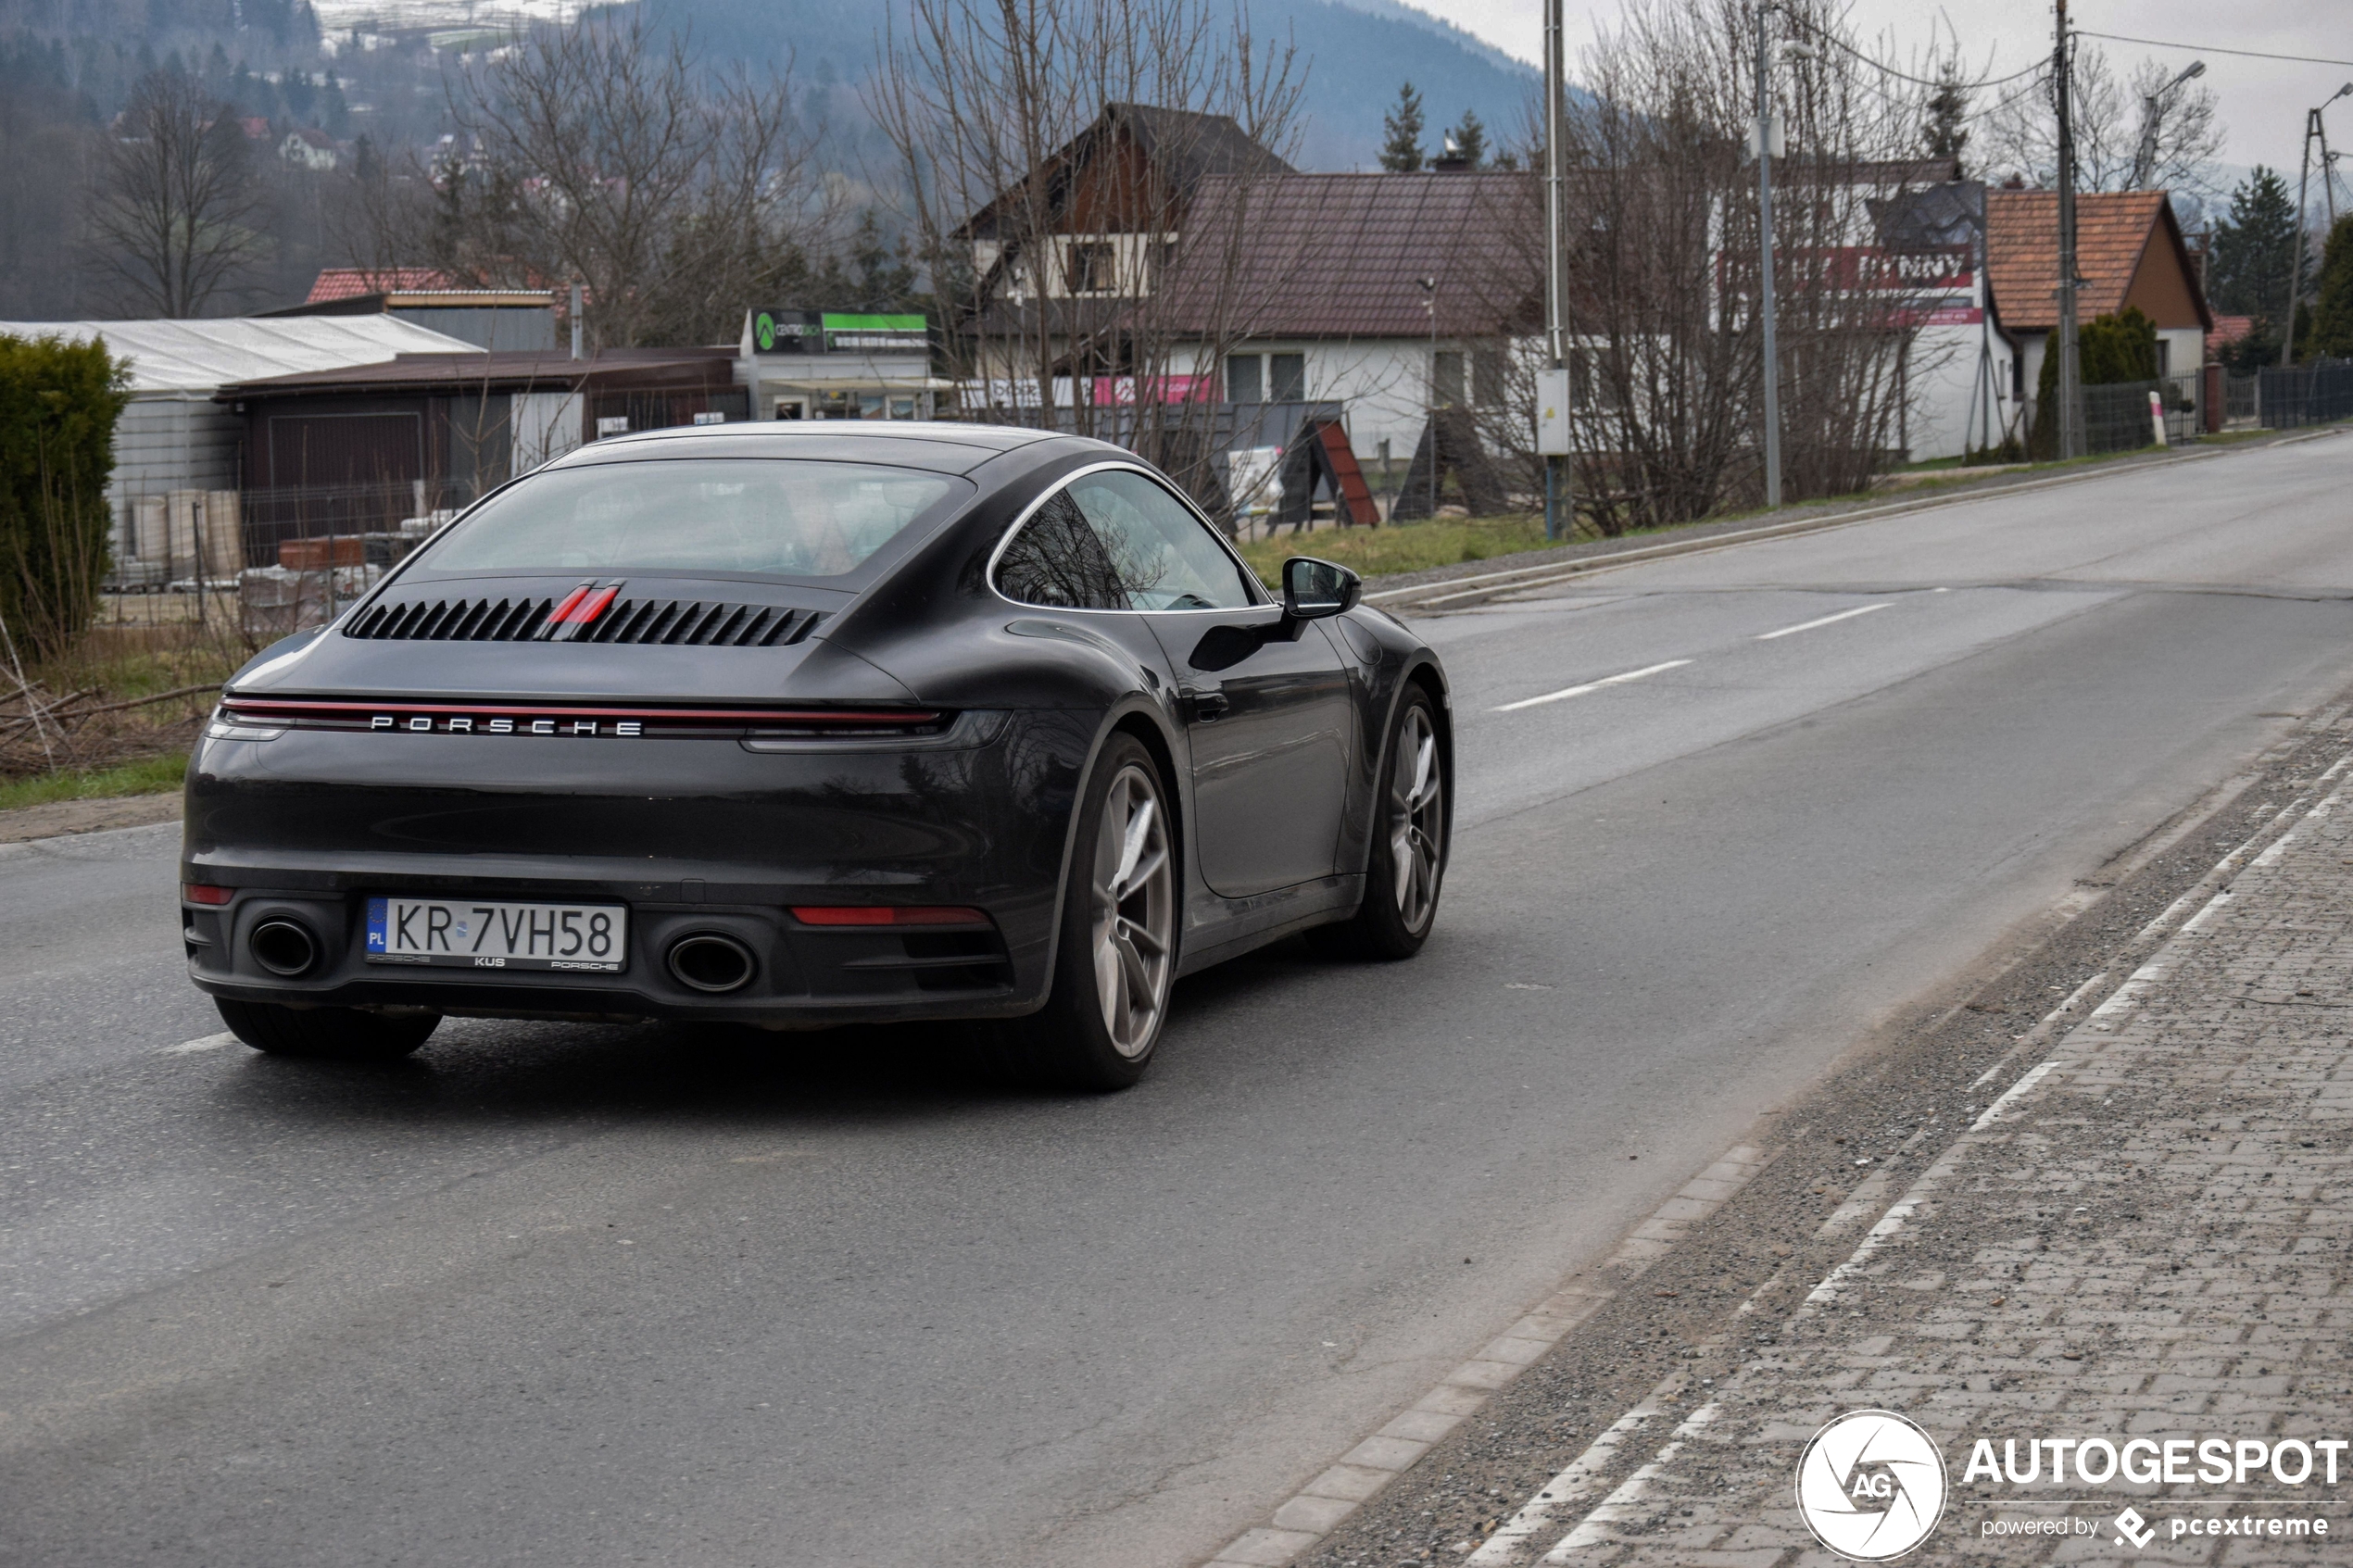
(467, 725)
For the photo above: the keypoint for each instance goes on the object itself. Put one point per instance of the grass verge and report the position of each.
(1394, 547)
(150, 775)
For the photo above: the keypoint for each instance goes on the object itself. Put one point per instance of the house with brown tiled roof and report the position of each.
(1379, 292)
(2129, 252)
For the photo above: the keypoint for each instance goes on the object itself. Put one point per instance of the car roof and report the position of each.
(939, 446)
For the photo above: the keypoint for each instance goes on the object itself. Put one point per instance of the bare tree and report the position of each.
(1667, 356)
(2112, 119)
(599, 154)
(178, 214)
(1054, 155)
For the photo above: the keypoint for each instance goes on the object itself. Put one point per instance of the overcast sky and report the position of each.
(2262, 102)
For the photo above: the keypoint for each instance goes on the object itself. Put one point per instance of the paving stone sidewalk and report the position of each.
(2148, 1241)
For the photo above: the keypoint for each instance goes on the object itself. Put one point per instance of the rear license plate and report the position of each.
(484, 934)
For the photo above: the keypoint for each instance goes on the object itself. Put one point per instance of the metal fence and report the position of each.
(2296, 395)
(2242, 399)
(270, 560)
(2117, 417)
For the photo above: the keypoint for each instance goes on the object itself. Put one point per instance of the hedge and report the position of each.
(58, 405)
(2109, 350)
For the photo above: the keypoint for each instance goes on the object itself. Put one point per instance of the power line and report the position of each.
(2212, 49)
(1921, 80)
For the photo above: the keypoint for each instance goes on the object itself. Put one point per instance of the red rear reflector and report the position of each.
(586, 611)
(200, 893)
(888, 914)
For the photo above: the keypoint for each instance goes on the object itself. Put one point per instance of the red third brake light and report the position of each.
(586, 610)
(886, 914)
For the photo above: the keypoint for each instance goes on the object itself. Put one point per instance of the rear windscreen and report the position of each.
(779, 516)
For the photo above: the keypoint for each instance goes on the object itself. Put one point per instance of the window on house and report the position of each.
(1093, 267)
(1589, 385)
(2163, 354)
(1446, 379)
(1487, 378)
(1244, 382)
(1286, 374)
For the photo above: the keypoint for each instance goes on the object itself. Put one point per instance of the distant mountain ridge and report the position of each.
(1359, 52)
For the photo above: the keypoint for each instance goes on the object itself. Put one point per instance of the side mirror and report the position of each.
(1313, 589)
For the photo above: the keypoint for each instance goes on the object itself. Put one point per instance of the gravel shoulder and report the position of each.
(62, 817)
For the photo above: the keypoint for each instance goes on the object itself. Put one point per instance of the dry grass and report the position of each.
(95, 718)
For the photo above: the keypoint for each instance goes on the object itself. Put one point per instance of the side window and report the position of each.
(1165, 556)
(1057, 560)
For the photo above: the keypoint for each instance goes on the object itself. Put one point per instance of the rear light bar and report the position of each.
(203, 893)
(564, 719)
(886, 914)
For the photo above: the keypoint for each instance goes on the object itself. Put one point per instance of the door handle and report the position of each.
(1207, 707)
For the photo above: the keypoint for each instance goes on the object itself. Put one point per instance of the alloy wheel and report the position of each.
(1417, 818)
(1134, 911)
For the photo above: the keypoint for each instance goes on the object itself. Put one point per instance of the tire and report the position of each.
(1117, 960)
(1406, 865)
(326, 1033)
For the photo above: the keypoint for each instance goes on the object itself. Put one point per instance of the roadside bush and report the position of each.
(58, 404)
(2109, 350)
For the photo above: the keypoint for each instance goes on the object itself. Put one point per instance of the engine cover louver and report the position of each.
(688, 622)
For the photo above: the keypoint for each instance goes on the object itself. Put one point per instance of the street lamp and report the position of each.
(2145, 163)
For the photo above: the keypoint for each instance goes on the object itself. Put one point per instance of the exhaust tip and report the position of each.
(282, 947)
(709, 961)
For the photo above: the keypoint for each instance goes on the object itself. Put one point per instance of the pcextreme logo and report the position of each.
(1870, 1485)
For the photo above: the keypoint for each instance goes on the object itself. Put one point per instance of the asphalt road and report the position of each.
(597, 1295)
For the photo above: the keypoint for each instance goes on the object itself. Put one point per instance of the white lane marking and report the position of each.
(1627, 1502)
(1589, 686)
(1825, 620)
(1572, 1484)
(208, 1042)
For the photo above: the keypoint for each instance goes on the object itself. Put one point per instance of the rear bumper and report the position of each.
(693, 835)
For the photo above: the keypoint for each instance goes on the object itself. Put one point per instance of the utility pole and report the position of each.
(1765, 311)
(2295, 267)
(2315, 130)
(1558, 504)
(2071, 367)
(1430, 303)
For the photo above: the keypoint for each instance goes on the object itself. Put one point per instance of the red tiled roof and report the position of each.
(2228, 330)
(350, 282)
(2112, 229)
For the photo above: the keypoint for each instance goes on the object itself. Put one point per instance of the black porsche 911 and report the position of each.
(800, 726)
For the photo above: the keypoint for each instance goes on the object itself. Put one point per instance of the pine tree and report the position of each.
(1946, 133)
(2332, 329)
(2247, 271)
(1402, 152)
(1470, 139)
